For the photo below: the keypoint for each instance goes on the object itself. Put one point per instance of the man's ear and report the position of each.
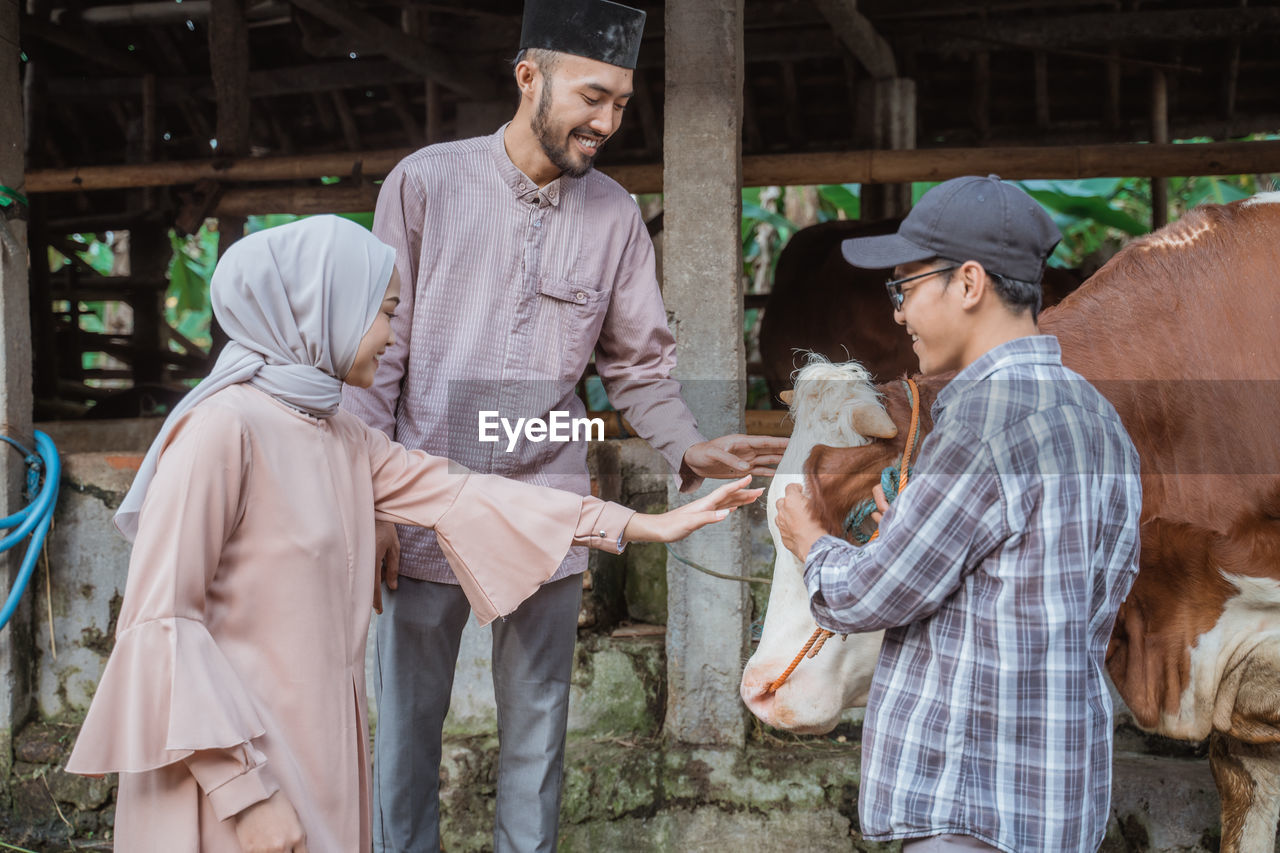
(974, 281)
(525, 73)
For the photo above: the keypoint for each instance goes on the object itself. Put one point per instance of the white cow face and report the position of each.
(834, 404)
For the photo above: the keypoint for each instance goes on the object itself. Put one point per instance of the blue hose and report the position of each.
(44, 471)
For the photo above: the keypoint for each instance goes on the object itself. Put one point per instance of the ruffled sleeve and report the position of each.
(168, 692)
(502, 538)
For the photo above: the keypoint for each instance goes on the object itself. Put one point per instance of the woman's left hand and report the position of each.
(679, 523)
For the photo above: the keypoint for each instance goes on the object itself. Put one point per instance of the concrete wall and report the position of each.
(627, 788)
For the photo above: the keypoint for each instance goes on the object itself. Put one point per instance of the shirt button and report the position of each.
(580, 296)
(521, 185)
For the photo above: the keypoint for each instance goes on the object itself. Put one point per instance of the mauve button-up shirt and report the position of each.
(507, 290)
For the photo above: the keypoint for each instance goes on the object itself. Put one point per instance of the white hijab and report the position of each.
(295, 301)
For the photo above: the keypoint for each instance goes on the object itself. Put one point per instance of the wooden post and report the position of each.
(886, 120)
(16, 641)
(229, 59)
(36, 111)
(229, 62)
(1159, 136)
(702, 266)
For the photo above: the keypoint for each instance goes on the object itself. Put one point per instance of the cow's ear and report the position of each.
(873, 422)
(786, 397)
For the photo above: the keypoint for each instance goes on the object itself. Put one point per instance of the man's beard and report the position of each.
(557, 150)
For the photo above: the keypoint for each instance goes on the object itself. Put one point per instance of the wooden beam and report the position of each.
(869, 167)
(301, 201)
(857, 34)
(83, 45)
(409, 52)
(1093, 29)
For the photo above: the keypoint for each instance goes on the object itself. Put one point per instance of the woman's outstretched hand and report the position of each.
(679, 523)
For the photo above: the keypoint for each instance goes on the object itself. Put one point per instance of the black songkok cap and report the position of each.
(596, 29)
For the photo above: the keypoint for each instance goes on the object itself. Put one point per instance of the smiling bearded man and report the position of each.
(519, 261)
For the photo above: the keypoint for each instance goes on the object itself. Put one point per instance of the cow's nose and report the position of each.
(757, 696)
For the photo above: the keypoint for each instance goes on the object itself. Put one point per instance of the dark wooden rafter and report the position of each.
(791, 117)
(400, 106)
(1113, 89)
(857, 34)
(752, 138)
(350, 133)
(414, 22)
(82, 44)
(647, 114)
(1046, 32)
(394, 44)
(1041, 77)
(324, 112)
(980, 105)
(1232, 76)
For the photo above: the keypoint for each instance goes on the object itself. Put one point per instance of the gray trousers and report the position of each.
(418, 635)
(944, 844)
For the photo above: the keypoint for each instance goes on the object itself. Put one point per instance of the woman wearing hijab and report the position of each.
(233, 704)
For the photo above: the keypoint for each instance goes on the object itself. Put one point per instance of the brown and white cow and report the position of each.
(1180, 331)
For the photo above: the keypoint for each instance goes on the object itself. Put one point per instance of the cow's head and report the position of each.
(842, 429)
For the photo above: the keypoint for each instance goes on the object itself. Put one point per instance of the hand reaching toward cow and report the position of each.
(796, 522)
(680, 522)
(733, 456)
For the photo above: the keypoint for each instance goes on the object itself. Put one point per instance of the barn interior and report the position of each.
(157, 126)
(151, 117)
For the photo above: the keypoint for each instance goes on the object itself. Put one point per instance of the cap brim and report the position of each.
(883, 252)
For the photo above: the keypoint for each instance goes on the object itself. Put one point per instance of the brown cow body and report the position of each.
(1179, 331)
(819, 303)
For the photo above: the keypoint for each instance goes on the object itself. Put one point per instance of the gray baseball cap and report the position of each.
(970, 218)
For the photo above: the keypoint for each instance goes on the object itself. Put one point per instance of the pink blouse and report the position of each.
(238, 668)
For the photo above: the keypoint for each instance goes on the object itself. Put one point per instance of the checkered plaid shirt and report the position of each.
(997, 575)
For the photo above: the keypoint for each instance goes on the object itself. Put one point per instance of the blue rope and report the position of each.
(857, 516)
(44, 470)
(890, 477)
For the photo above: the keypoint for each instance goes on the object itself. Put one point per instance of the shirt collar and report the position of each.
(524, 187)
(1032, 349)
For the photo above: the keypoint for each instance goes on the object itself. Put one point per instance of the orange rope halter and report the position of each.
(820, 635)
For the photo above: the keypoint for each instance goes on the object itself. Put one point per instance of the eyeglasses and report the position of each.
(897, 297)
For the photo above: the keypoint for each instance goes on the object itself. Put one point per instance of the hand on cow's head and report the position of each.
(797, 525)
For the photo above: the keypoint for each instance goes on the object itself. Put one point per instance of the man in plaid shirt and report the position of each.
(998, 571)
